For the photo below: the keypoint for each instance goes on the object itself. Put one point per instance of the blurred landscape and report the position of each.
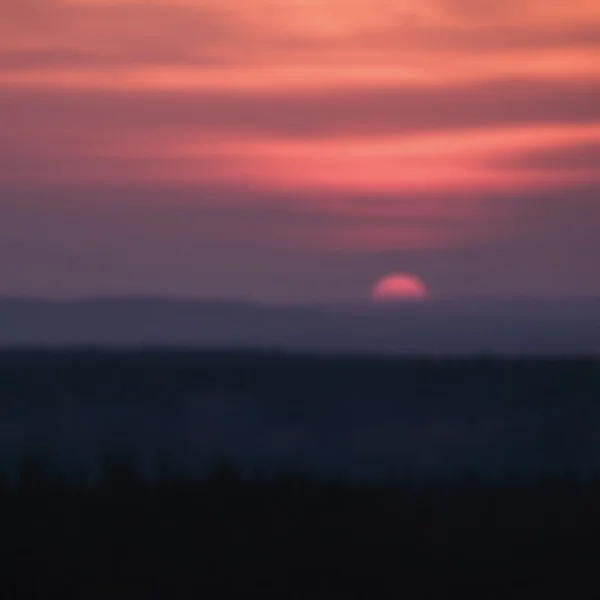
(225, 534)
(361, 416)
(186, 449)
(180, 473)
(518, 326)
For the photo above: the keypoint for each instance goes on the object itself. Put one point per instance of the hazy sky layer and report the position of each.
(298, 150)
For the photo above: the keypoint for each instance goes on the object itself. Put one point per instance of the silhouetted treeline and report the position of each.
(402, 519)
(365, 416)
(152, 373)
(228, 534)
(144, 370)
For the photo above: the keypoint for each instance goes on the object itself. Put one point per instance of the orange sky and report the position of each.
(321, 101)
(271, 79)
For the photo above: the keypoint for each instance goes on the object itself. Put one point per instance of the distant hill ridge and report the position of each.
(451, 325)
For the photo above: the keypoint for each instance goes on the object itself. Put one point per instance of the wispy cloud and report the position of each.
(431, 99)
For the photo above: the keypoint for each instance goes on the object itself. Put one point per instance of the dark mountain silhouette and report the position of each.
(472, 325)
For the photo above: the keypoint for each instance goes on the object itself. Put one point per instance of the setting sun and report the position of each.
(399, 287)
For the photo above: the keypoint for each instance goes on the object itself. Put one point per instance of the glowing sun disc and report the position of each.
(399, 287)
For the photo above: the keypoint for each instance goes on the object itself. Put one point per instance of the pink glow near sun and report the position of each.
(399, 287)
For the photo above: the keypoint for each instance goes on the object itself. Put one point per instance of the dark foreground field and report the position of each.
(290, 535)
(350, 477)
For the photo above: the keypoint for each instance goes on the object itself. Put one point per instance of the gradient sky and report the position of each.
(298, 150)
